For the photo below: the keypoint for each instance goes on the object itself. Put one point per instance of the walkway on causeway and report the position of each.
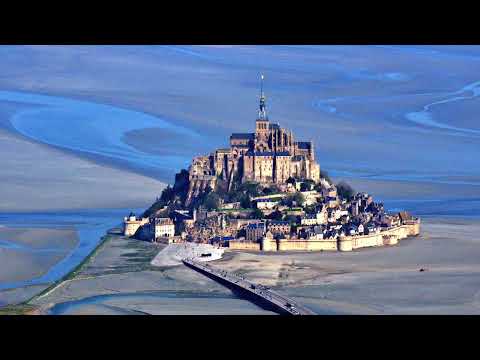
(280, 303)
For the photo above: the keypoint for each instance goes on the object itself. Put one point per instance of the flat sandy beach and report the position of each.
(41, 178)
(382, 280)
(119, 279)
(29, 253)
(385, 280)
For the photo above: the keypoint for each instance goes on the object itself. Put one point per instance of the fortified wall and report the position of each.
(347, 243)
(132, 224)
(388, 237)
(243, 245)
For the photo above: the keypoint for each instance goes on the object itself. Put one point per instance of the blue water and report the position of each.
(425, 117)
(94, 129)
(10, 245)
(338, 81)
(462, 208)
(91, 225)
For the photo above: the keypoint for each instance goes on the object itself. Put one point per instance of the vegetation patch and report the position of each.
(20, 309)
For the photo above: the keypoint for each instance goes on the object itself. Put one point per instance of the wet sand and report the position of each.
(30, 253)
(41, 178)
(371, 88)
(39, 249)
(360, 95)
(120, 279)
(382, 280)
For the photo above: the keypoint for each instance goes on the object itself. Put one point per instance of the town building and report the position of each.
(267, 204)
(164, 227)
(279, 228)
(254, 232)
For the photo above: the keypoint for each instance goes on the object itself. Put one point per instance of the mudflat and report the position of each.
(385, 280)
(434, 273)
(120, 279)
(29, 253)
(43, 178)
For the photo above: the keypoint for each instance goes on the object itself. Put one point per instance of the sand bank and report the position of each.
(379, 280)
(42, 178)
(164, 81)
(121, 274)
(29, 253)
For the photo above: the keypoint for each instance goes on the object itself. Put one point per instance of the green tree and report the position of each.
(168, 194)
(276, 215)
(245, 201)
(291, 180)
(287, 201)
(345, 191)
(324, 175)
(299, 199)
(273, 189)
(292, 219)
(252, 189)
(212, 201)
(166, 198)
(307, 185)
(310, 209)
(221, 190)
(257, 214)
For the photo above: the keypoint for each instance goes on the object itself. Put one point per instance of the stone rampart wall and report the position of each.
(243, 245)
(347, 243)
(307, 245)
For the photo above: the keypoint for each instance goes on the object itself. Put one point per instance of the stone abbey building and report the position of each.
(269, 155)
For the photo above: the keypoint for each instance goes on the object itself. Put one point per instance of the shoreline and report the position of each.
(25, 308)
(120, 279)
(36, 104)
(304, 276)
(165, 175)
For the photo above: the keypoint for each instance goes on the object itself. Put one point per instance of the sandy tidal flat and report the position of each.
(41, 178)
(29, 253)
(120, 279)
(383, 280)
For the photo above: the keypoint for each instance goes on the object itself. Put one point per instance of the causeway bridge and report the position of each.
(257, 293)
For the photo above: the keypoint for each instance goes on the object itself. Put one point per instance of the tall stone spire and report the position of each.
(262, 112)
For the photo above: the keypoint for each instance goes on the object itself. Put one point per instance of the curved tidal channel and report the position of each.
(91, 226)
(109, 299)
(93, 129)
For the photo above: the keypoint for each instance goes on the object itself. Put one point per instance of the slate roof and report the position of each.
(241, 146)
(246, 136)
(304, 145)
(298, 157)
(256, 226)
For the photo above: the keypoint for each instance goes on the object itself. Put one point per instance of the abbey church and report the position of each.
(269, 155)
